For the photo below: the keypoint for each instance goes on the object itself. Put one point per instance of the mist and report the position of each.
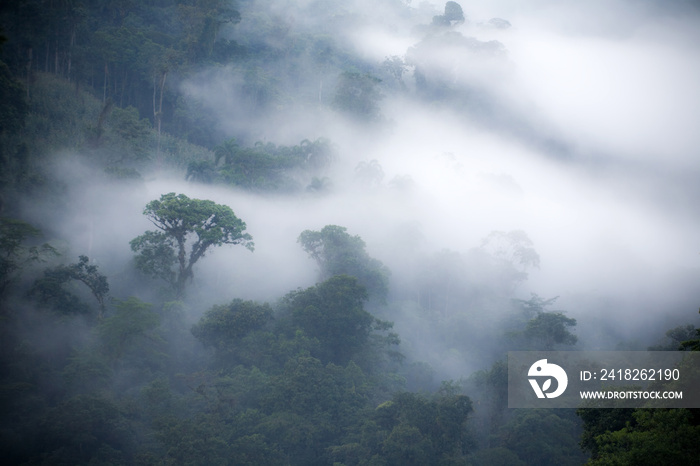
(575, 123)
(611, 86)
(581, 135)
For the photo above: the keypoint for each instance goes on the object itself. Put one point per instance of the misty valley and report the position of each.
(308, 232)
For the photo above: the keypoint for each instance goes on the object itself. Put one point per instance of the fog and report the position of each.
(580, 130)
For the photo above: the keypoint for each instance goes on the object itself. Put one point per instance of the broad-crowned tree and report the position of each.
(187, 228)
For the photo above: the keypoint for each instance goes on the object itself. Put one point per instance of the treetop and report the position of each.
(214, 224)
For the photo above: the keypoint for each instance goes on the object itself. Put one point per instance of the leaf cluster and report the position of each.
(188, 228)
(51, 290)
(15, 253)
(338, 253)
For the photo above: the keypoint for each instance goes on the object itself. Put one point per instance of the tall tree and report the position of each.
(187, 229)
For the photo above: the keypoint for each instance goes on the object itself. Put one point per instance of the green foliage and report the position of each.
(308, 382)
(14, 106)
(58, 119)
(692, 343)
(549, 329)
(648, 436)
(545, 330)
(85, 429)
(267, 167)
(658, 436)
(598, 421)
(51, 292)
(497, 456)
(131, 333)
(156, 255)
(677, 338)
(412, 429)
(51, 289)
(494, 382)
(222, 325)
(202, 171)
(358, 96)
(256, 169)
(128, 137)
(224, 328)
(124, 174)
(88, 274)
(87, 371)
(188, 228)
(338, 253)
(333, 313)
(539, 436)
(15, 254)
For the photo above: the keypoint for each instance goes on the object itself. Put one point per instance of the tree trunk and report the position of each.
(182, 272)
(70, 50)
(159, 115)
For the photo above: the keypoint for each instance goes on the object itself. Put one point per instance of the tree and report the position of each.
(676, 339)
(692, 344)
(188, 228)
(453, 15)
(358, 95)
(227, 150)
(657, 436)
(132, 330)
(317, 154)
(202, 171)
(544, 330)
(453, 12)
(513, 251)
(50, 288)
(414, 429)
(89, 275)
(395, 67)
(549, 329)
(338, 253)
(14, 253)
(543, 437)
(85, 429)
(649, 435)
(333, 313)
(14, 107)
(224, 327)
(369, 173)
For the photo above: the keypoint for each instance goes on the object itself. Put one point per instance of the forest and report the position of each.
(308, 232)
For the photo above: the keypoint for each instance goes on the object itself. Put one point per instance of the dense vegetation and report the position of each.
(115, 363)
